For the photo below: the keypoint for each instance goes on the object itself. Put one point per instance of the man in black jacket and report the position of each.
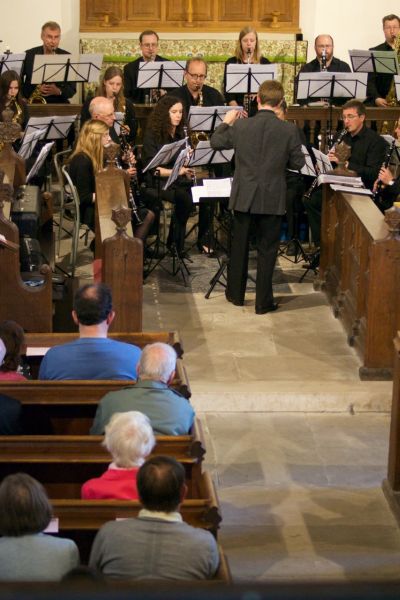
(265, 147)
(379, 84)
(53, 93)
(148, 41)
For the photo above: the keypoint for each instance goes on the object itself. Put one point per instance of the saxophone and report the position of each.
(36, 97)
(391, 95)
(18, 115)
(198, 136)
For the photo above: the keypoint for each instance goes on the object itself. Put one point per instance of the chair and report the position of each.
(71, 200)
(59, 160)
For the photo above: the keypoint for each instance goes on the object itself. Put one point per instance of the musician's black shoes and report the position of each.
(230, 299)
(260, 310)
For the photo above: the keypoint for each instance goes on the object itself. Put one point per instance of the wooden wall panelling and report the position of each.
(143, 12)
(93, 11)
(288, 9)
(235, 10)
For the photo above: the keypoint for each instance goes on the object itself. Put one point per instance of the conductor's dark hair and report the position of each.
(357, 104)
(159, 483)
(24, 506)
(93, 303)
(271, 92)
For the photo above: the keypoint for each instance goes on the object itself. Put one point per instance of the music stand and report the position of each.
(204, 155)
(29, 142)
(397, 86)
(52, 128)
(374, 61)
(63, 68)
(207, 118)
(161, 74)
(11, 62)
(247, 78)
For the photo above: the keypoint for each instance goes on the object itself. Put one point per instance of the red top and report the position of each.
(114, 484)
(11, 376)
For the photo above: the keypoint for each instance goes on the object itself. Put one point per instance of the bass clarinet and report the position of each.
(314, 184)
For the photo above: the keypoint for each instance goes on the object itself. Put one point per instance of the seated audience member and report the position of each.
(157, 544)
(13, 338)
(168, 411)
(129, 439)
(93, 355)
(26, 553)
(10, 409)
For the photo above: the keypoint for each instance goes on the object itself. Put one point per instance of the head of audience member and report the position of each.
(161, 484)
(10, 86)
(391, 28)
(13, 338)
(102, 109)
(353, 115)
(195, 75)
(270, 94)
(24, 506)
(129, 439)
(93, 311)
(112, 87)
(51, 36)
(167, 119)
(324, 45)
(247, 46)
(148, 41)
(157, 363)
(93, 136)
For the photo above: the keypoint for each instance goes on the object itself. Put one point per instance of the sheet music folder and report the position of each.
(60, 68)
(329, 84)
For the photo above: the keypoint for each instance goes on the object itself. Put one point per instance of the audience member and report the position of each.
(129, 439)
(93, 355)
(26, 553)
(157, 544)
(13, 337)
(168, 411)
(10, 409)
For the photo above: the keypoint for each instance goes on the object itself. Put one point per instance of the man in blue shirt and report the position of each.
(93, 355)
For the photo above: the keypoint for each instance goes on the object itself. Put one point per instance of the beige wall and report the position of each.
(354, 24)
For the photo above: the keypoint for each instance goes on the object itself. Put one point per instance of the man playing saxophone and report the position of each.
(379, 84)
(51, 93)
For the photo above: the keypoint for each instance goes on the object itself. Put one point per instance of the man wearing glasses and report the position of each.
(379, 84)
(148, 41)
(195, 92)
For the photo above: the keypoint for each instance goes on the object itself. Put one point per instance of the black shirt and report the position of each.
(368, 151)
(211, 97)
(379, 83)
(67, 89)
(314, 66)
(131, 91)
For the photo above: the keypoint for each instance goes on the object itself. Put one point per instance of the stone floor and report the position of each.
(296, 443)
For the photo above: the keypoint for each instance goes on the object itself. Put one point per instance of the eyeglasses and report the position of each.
(150, 45)
(195, 76)
(391, 27)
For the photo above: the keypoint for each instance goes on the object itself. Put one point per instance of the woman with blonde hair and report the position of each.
(86, 160)
(129, 439)
(247, 51)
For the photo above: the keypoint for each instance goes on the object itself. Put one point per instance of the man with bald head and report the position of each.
(324, 61)
(102, 109)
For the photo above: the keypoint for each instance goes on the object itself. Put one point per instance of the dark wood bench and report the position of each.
(64, 463)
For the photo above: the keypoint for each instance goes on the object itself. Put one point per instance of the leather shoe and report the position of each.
(262, 311)
(230, 299)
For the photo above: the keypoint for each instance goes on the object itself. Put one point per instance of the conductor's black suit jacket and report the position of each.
(264, 148)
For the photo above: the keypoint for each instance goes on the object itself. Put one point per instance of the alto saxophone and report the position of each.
(391, 95)
(198, 136)
(37, 97)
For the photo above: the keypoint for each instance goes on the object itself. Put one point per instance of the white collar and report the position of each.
(172, 517)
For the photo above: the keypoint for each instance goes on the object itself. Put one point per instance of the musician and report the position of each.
(195, 92)
(367, 154)
(391, 184)
(324, 61)
(11, 97)
(379, 84)
(52, 93)
(264, 147)
(112, 88)
(165, 126)
(148, 41)
(247, 52)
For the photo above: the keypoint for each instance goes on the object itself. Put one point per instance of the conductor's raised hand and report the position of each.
(231, 116)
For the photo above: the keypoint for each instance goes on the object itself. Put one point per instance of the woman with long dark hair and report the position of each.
(11, 97)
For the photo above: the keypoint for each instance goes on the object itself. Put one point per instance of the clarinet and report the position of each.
(134, 192)
(188, 149)
(247, 97)
(379, 186)
(314, 184)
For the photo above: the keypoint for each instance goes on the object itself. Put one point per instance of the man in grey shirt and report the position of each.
(168, 411)
(157, 544)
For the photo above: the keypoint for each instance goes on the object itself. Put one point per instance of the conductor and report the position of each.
(264, 148)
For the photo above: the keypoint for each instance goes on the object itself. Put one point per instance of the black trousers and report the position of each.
(267, 231)
(313, 206)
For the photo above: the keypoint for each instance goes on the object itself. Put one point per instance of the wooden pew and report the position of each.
(391, 485)
(64, 463)
(360, 273)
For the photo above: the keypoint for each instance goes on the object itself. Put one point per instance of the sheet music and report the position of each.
(170, 71)
(347, 189)
(237, 77)
(340, 180)
(12, 62)
(165, 154)
(53, 68)
(220, 188)
(323, 162)
(29, 142)
(205, 155)
(39, 161)
(179, 163)
(397, 86)
(54, 127)
(329, 84)
(378, 61)
(207, 118)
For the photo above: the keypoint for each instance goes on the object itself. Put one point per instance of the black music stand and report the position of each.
(63, 68)
(374, 61)
(11, 62)
(247, 78)
(161, 75)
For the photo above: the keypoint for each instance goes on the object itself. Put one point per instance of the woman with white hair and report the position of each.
(129, 439)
